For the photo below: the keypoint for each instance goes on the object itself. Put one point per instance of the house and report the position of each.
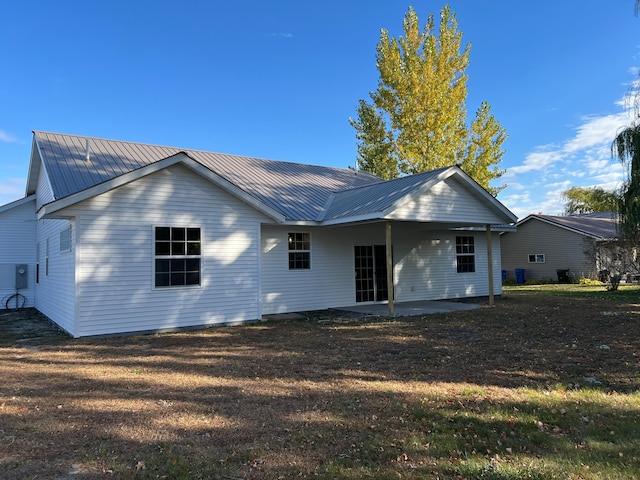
(556, 247)
(127, 237)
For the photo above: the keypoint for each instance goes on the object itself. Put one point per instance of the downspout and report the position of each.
(490, 264)
(389, 268)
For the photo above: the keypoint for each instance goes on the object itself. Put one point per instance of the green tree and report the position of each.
(484, 149)
(626, 146)
(589, 200)
(375, 147)
(417, 117)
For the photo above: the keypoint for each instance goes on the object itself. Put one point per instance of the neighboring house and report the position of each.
(547, 246)
(126, 237)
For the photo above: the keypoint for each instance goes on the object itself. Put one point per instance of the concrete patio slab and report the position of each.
(403, 309)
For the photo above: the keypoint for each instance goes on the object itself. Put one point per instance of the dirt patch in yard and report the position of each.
(29, 328)
(318, 395)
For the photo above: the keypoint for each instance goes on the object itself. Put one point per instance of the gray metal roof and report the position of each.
(602, 225)
(298, 191)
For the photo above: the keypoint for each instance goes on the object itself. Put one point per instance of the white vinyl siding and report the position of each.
(44, 193)
(55, 293)
(116, 290)
(17, 246)
(425, 269)
(446, 201)
(426, 266)
(330, 282)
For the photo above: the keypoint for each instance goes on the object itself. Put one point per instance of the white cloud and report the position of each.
(596, 131)
(519, 198)
(537, 161)
(584, 159)
(281, 35)
(7, 137)
(610, 175)
(558, 186)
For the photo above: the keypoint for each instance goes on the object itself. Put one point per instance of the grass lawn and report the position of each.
(544, 385)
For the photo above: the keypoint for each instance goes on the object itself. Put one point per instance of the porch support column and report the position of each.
(389, 268)
(490, 264)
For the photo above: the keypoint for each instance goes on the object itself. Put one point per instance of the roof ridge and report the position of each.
(196, 150)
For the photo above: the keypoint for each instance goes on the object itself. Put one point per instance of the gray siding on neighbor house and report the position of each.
(562, 248)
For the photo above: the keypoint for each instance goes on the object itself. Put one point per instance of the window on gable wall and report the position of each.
(465, 254)
(299, 251)
(177, 256)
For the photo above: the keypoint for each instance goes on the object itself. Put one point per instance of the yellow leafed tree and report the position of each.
(417, 118)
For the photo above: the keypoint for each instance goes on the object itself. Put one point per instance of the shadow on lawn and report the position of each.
(375, 397)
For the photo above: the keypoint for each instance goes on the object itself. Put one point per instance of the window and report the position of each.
(177, 256)
(536, 258)
(65, 240)
(465, 255)
(299, 251)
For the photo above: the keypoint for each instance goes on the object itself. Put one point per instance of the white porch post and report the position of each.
(389, 268)
(490, 264)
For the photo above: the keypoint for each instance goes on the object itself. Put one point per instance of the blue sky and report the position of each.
(280, 79)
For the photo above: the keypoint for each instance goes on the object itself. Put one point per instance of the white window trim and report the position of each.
(171, 288)
(66, 232)
(465, 254)
(537, 258)
(289, 269)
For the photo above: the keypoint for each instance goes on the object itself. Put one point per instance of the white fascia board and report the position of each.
(17, 203)
(454, 170)
(50, 209)
(483, 228)
(230, 188)
(334, 221)
(35, 166)
(354, 219)
(301, 223)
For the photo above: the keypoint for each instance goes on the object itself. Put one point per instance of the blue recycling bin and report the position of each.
(504, 275)
(519, 275)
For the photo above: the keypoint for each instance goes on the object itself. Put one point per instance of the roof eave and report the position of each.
(49, 210)
(447, 173)
(35, 166)
(560, 225)
(17, 203)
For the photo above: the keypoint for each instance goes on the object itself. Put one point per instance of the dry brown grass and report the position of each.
(491, 393)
